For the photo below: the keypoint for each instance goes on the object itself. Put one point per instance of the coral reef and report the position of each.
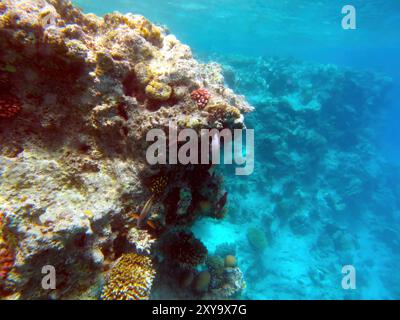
(141, 240)
(183, 248)
(130, 279)
(73, 166)
(320, 172)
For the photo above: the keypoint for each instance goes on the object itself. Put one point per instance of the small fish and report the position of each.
(144, 215)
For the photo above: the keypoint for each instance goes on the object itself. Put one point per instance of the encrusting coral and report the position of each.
(130, 279)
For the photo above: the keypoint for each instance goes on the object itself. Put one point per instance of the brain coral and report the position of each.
(130, 279)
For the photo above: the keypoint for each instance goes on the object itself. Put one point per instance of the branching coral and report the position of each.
(183, 248)
(10, 106)
(130, 279)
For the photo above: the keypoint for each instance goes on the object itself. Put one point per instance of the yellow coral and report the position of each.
(145, 28)
(222, 112)
(140, 24)
(130, 279)
(158, 91)
(143, 73)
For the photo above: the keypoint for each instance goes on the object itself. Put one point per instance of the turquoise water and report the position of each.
(325, 192)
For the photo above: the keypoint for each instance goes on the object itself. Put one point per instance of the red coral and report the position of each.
(201, 97)
(6, 262)
(10, 106)
(6, 256)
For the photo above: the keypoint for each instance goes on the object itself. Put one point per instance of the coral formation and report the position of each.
(74, 166)
(230, 261)
(201, 97)
(158, 91)
(130, 279)
(183, 248)
(257, 238)
(232, 285)
(141, 240)
(319, 163)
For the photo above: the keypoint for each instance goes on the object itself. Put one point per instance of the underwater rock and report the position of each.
(73, 166)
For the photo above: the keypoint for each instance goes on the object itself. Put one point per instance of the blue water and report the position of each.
(321, 205)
